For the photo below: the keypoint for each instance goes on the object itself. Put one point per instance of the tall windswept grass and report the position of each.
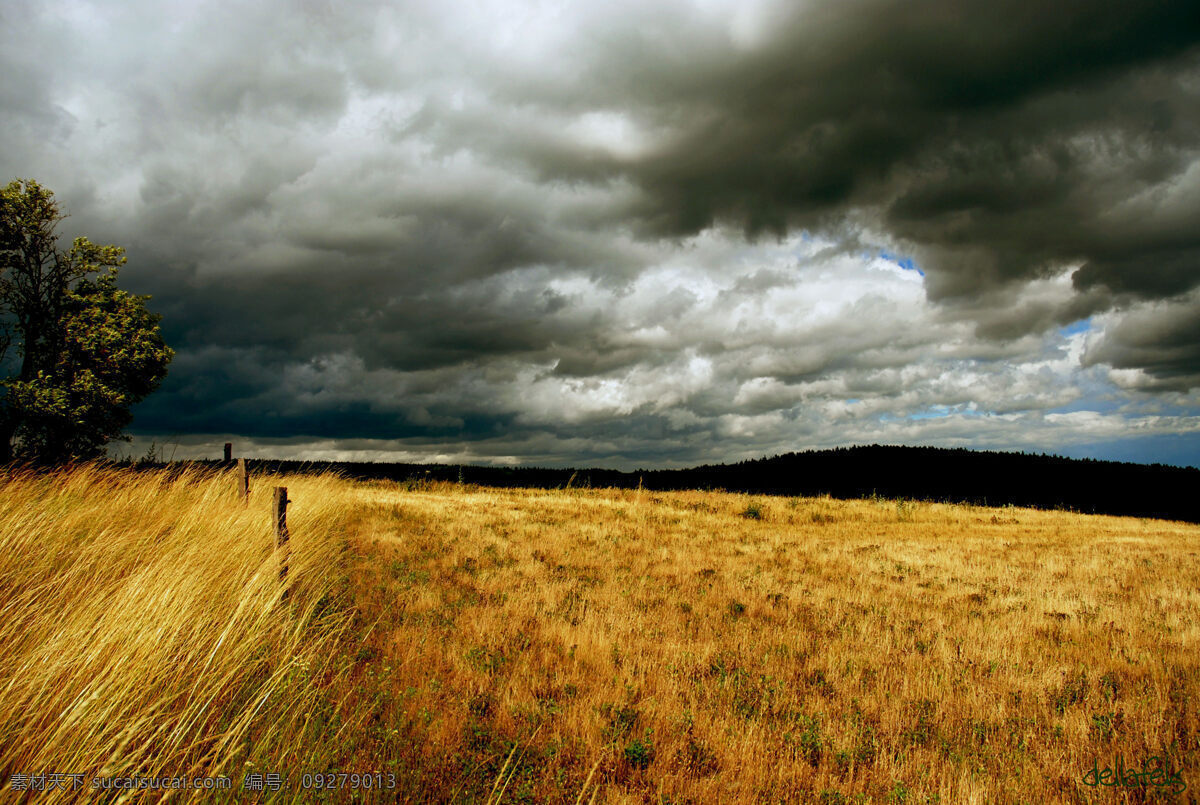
(143, 632)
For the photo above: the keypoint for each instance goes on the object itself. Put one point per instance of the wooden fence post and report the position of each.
(228, 452)
(244, 480)
(281, 531)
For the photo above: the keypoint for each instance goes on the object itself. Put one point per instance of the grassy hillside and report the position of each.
(592, 645)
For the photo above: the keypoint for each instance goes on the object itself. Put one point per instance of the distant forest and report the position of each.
(921, 473)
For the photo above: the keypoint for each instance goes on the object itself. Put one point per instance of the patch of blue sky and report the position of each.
(1103, 398)
(1081, 326)
(907, 263)
(1159, 407)
(1180, 449)
(1101, 405)
(943, 411)
(934, 412)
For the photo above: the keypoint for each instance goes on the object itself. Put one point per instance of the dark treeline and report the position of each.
(923, 473)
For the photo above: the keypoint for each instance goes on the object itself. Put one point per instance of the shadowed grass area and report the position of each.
(593, 645)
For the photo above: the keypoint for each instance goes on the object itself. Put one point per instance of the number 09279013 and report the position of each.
(335, 781)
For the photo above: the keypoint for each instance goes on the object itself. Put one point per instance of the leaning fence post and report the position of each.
(243, 479)
(281, 532)
(228, 452)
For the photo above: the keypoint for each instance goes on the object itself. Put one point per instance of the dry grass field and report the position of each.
(606, 646)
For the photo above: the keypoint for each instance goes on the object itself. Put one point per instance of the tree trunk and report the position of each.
(10, 420)
(8, 428)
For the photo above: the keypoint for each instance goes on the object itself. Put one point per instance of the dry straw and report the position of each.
(143, 628)
(590, 645)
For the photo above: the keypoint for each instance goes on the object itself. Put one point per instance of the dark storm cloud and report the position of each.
(1000, 143)
(548, 231)
(1001, 140)
(1162, 340)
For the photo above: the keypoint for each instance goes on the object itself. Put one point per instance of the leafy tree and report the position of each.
(86, 351)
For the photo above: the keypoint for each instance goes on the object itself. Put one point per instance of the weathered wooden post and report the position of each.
(228, 452)
(281, 532)
(244, 480)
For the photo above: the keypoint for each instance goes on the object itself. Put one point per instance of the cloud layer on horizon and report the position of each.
(636, 235)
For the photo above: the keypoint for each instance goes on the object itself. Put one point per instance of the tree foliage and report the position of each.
(85, 350)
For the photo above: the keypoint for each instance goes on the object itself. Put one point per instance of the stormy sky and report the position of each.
(636, 234)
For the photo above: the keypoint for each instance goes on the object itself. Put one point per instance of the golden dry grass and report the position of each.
(595, 645)
(143, 632)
